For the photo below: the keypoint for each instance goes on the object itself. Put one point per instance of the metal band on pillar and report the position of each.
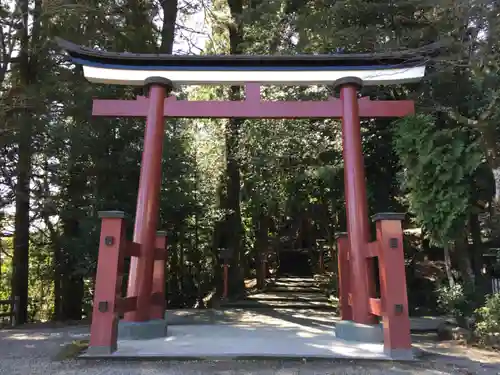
(358, 227)
(146, 219)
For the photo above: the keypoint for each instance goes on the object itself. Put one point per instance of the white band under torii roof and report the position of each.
(370, 77)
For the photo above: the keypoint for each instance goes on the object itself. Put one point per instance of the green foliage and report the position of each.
(438, 163)
(455, 300)
(487, 329)
(291, 170)
(5, 267)
(332, 285)
(41, 276)
(72, 350)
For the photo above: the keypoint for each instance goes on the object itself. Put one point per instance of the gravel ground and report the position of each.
(33, 351)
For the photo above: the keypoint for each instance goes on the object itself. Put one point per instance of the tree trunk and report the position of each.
(24, 141)
(462, 259)
(169, 8)
(71, 278)
(476, 254)
(22, 225)
(261, 246)
(72, 294)
(234, 226)
(55, 241)
(447, 265)
(182, 262)
(57, 259)
(72, 287)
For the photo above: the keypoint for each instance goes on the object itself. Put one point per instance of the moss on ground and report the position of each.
(72, 350)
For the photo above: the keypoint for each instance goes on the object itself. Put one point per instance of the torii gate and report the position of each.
(144, 304)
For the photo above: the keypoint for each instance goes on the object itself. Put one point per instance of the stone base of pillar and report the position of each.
(349, 330)
(99, 351)
(401, 354)
(151, 329)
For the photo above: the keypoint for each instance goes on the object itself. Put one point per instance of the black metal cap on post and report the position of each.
(158, 81)
(111, 215)
(356, 81)
(161, 233)
(389, 216)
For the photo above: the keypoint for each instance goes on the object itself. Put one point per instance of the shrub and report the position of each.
(456, 301)
(438, 160)
(332, 288)
(487, 330)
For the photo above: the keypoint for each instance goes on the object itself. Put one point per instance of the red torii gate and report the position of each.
(360, 307)
(349, 108)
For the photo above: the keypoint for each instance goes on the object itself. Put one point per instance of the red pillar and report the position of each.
(358, 227)
(344, 276)
(146, 219)
(158, 309)
(395, 320)
(104, 327)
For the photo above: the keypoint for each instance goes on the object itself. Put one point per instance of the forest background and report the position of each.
(248, 185)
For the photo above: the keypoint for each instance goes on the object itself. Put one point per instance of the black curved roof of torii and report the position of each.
(399, 58)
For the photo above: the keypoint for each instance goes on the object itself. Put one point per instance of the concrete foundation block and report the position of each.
(400, 354)
(151, 329)
(100, 350)
(351, 331)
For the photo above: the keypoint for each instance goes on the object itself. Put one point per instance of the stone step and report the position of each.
(283, 289)
(295, 282)
(304, 288)
(295, 278)
(296, 285)
(287, 296)
(251, 304)
(289, 293)
(291, 307)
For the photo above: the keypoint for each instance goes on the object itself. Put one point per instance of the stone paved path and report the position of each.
(259, 317)
(32, 352)
(293, 299)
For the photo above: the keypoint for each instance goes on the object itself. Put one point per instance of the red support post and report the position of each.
(146, 219)
(344, 276)
(104, 327)
(158, 309)
(395, 318)
(358, 227)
